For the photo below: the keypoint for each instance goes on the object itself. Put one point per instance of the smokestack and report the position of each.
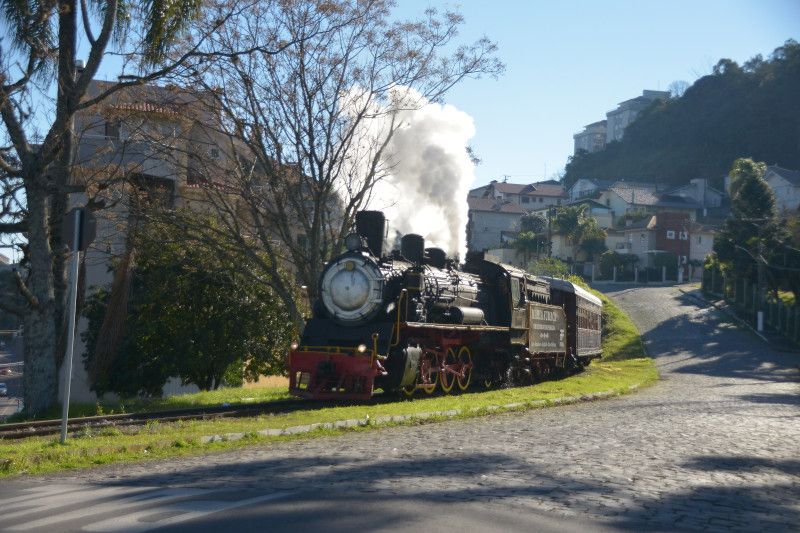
(436, 257)
(372, 224)
(412, 247)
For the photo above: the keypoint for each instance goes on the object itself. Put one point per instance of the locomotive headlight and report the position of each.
(352, 288)
(361, 348)
(294, 346)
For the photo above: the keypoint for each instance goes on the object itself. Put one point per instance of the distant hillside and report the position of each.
(752, 110)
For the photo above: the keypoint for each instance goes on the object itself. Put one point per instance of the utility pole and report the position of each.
(761, 283)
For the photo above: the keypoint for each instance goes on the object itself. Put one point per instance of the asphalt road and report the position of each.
(10, 352)
(714, 446)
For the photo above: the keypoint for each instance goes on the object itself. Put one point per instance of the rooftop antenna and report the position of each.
(505, 178)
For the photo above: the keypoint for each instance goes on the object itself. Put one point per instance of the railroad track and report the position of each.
(50, 427)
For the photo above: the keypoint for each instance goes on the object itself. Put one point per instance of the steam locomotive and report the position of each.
(413, 321)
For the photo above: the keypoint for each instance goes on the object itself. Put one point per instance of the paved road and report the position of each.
(712, 447)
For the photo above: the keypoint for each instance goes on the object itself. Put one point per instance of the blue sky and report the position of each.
(570, 62)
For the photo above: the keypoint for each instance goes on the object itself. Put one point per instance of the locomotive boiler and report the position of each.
(413, 320)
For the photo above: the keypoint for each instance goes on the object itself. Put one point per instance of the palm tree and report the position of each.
(42, 55)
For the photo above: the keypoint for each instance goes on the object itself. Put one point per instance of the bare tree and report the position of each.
(677, 88)
(308, 129)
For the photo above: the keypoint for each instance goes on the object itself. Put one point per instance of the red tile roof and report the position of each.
(144, 107)
(533, 189)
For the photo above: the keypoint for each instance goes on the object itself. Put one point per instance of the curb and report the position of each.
(389, 419)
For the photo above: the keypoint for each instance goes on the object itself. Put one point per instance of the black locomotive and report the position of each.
(412, 320)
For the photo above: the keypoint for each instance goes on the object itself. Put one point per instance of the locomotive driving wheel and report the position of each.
(464, 377)
(448, 371)
(428, 375)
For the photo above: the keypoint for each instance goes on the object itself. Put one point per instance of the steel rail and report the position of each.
(37, 428)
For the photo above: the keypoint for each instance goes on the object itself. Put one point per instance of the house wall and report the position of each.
(699, 191)
(787, 196)
(581, 189)
(672, 234)
(617, 205)
(532, 201)
(700, 245)
(603, 217)
(617, 242)
(485, 228)
(639, 241)
(617, 121)
(562, 248)
(591, 139)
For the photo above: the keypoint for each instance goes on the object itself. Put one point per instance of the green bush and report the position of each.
(611, 259)
(549, 266)
(190, 313)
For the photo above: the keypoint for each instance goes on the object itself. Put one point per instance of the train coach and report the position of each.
(416, 322)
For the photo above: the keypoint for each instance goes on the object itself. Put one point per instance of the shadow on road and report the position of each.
(338, 497)
(715, 347)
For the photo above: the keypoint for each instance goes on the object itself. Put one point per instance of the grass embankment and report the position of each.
(623, 366)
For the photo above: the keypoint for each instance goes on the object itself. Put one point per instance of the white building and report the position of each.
(587, 187)
(592, 138)
(785, 184)
(490, 221)
(627, 111)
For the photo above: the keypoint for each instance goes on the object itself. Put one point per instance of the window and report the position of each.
(608, 202)
(684, 236)
(214, 153)
(541, 199)
(699, 239)
(526, 200)
(670, 234)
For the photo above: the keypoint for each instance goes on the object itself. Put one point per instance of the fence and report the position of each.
(743, 296)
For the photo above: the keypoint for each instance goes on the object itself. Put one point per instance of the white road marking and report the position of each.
(34, 493)
(188, 509)
(45, 503)
(152, 498)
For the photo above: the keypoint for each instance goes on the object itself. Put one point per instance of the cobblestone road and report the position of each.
(714, 446)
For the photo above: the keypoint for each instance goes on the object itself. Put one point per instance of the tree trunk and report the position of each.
(41, 335)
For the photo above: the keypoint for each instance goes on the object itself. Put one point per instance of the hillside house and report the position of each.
(699, 191)
(626, 112)
(490, 221)
(625, 198)
(592, 138)
(587, 188)
(530, 196)
(785, 184)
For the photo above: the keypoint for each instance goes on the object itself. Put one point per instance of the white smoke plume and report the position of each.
(430, 174)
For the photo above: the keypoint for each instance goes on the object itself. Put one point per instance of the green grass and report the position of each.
(622, 367)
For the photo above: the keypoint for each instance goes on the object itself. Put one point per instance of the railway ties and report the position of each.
(51, 427)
